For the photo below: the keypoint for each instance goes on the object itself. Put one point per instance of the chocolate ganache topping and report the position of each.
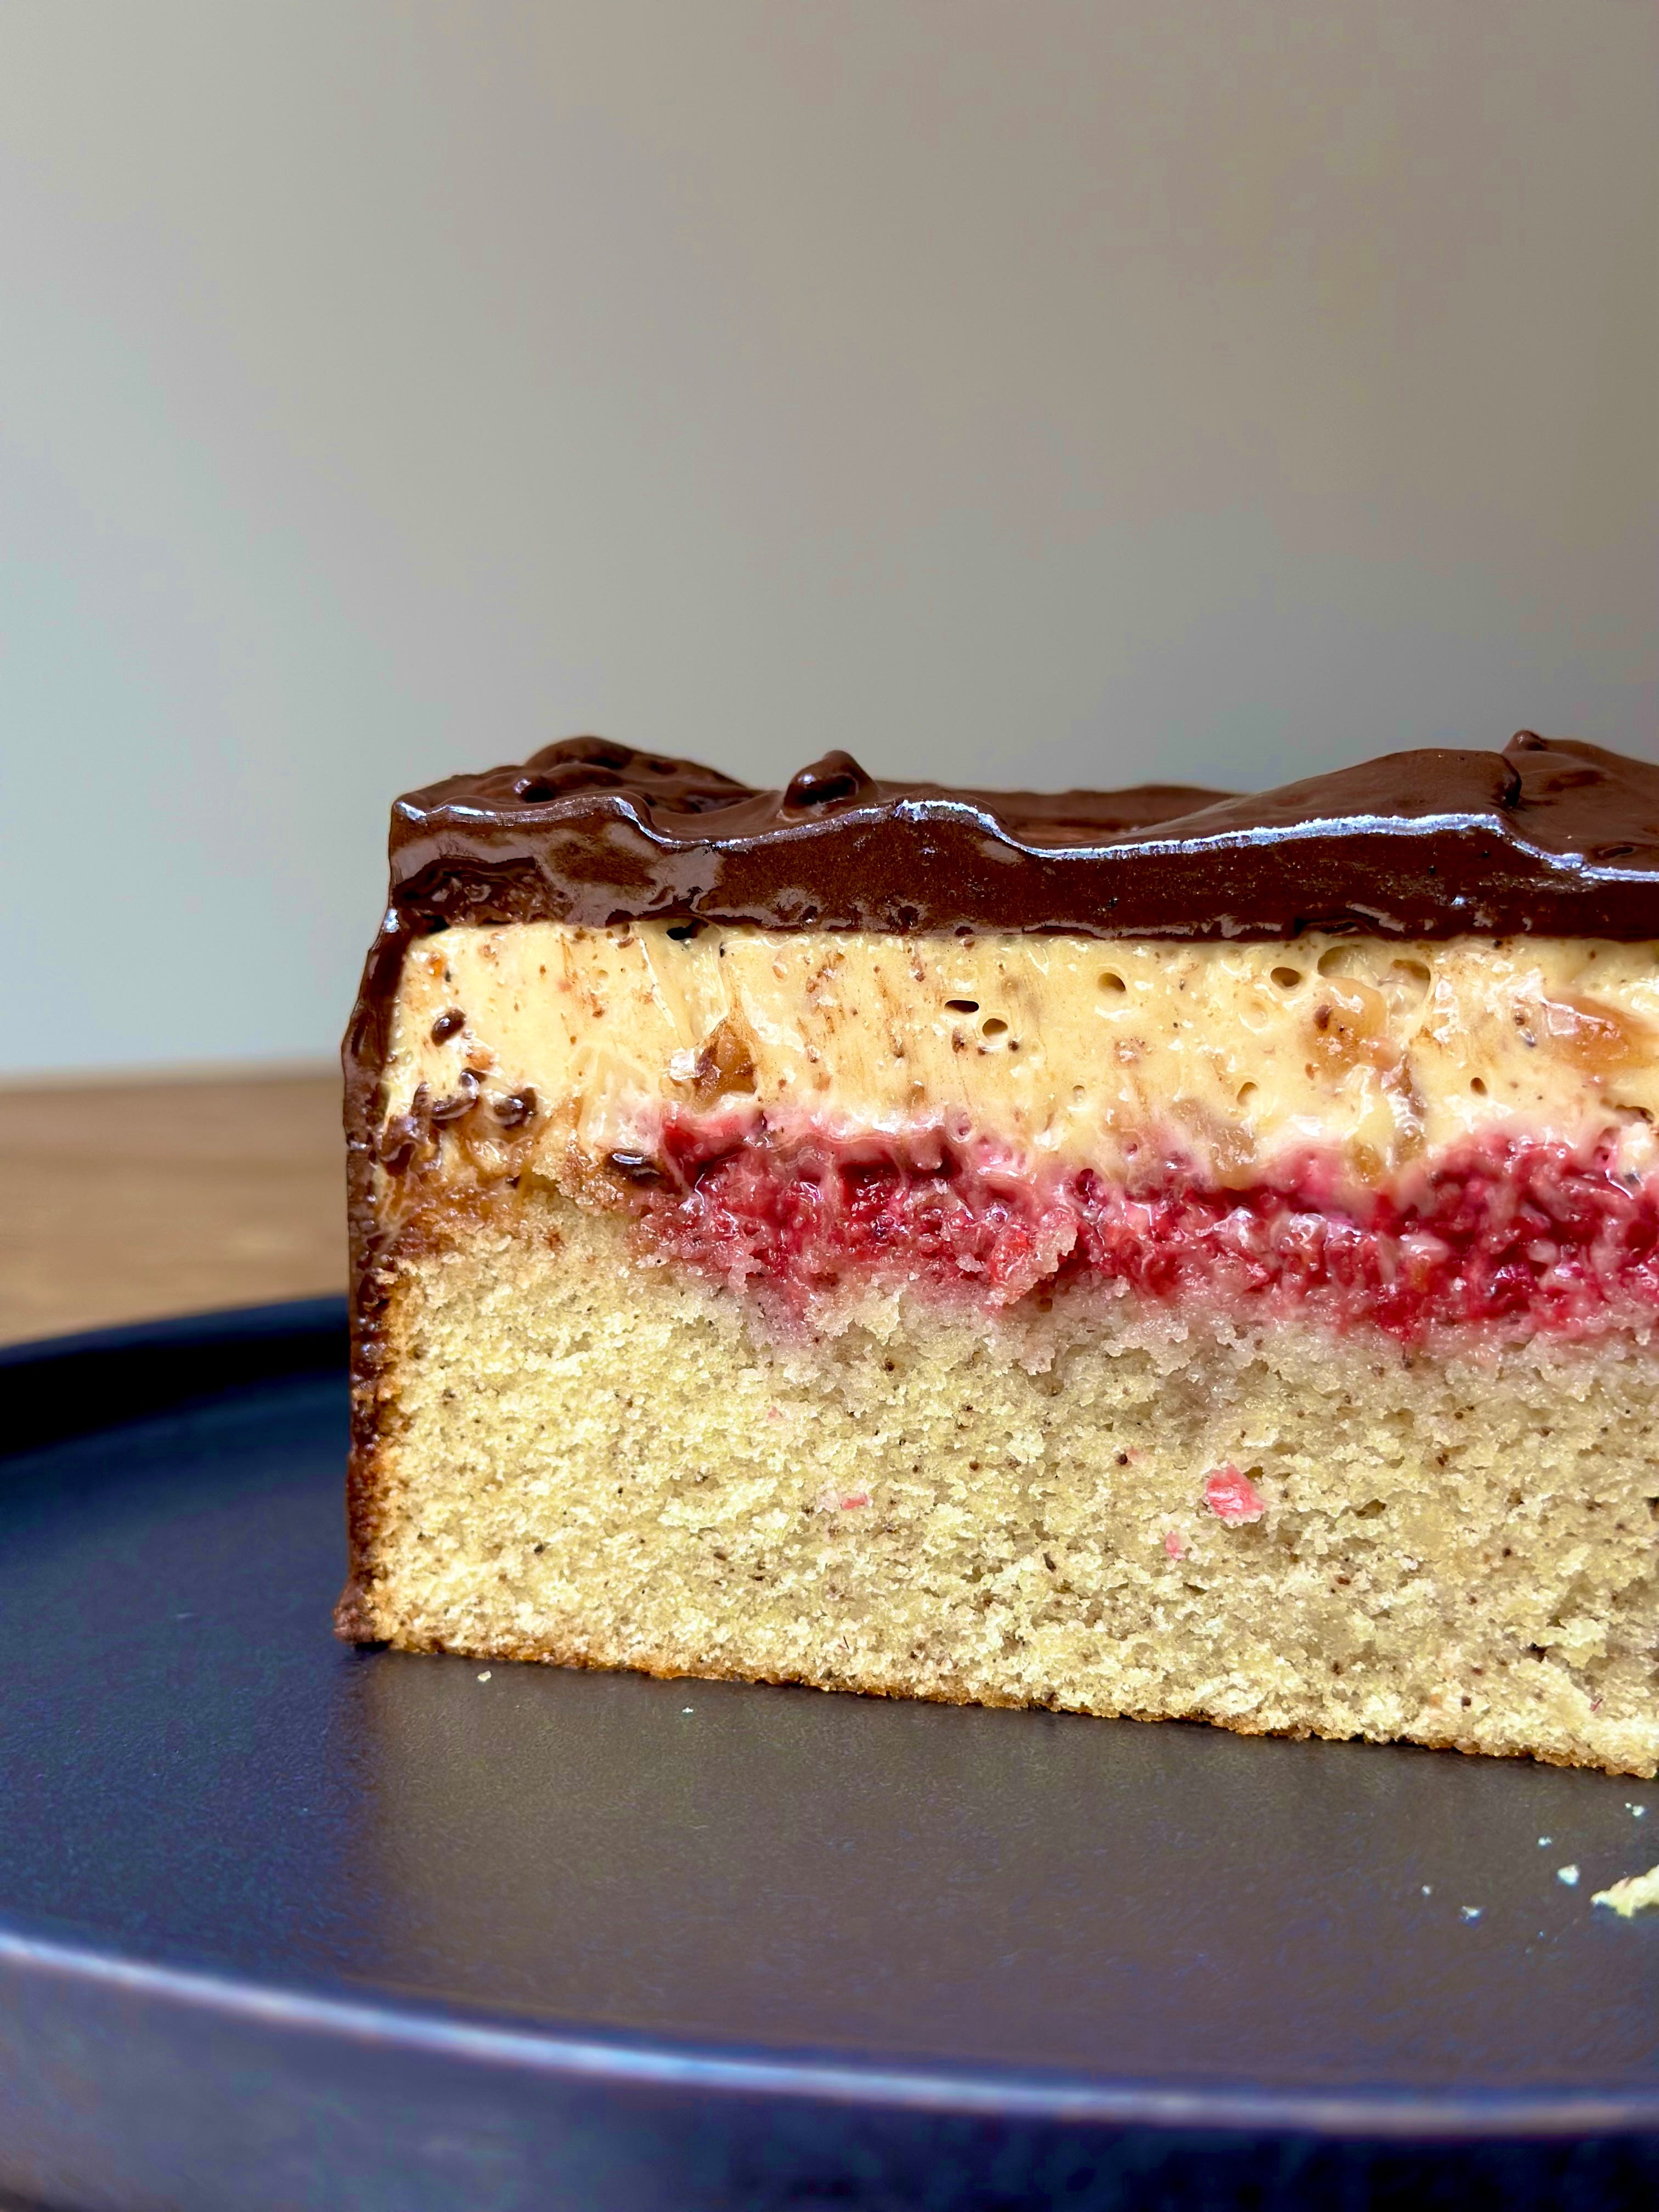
(1549, 836)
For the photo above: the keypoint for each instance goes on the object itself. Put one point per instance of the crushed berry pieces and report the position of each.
(1232, 1497)
(1532, 1235)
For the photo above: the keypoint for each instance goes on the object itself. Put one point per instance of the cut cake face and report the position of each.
(1147, 1253)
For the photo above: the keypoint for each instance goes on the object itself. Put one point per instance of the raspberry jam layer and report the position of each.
(1531, 1236)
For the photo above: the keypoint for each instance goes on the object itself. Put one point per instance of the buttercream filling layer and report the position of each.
(1091, 1053)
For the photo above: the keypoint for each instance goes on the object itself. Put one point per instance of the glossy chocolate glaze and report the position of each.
(1548, 836)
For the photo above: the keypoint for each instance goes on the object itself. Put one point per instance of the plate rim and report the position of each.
(617, 2061)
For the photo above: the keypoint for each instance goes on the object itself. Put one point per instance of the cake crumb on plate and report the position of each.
(1630, 1895)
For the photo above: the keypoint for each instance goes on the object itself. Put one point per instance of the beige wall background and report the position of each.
(1042, 392)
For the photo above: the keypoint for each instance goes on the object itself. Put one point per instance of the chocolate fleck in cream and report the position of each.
(518, 1108)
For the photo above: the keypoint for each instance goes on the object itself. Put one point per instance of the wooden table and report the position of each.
(121, 1201)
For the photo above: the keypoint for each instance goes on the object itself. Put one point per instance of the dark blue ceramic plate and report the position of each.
(284, 1924)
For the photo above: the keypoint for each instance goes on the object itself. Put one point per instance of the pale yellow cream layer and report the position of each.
(1063, 1048)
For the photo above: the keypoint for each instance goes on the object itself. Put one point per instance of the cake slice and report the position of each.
(1147, 1253)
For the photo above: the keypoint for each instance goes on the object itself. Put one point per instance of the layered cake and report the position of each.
(1153, 1252)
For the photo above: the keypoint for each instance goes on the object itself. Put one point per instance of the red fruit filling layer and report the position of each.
(1532, 1235)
